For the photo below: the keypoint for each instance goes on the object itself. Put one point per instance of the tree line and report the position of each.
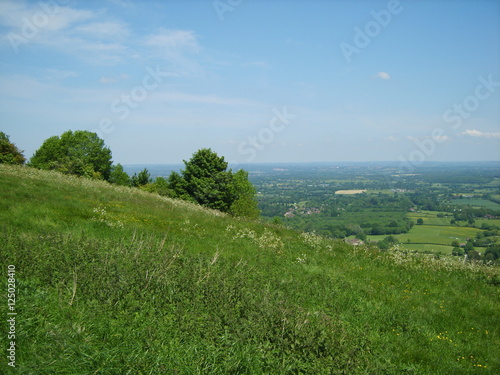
(205, 180)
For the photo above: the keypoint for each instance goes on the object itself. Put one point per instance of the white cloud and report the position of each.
(383, 75)
(441, 138)
(478, 134)
(174, 39)
(39, 17)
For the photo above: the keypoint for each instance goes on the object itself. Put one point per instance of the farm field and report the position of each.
(477, 202)
(430, 218)
(434, 234)
(350, 191)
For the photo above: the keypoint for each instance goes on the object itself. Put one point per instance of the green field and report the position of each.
(476, 202)
(114, 280)
(436, 234)
(430, 217)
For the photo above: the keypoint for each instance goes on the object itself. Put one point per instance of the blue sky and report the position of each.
(256, 81)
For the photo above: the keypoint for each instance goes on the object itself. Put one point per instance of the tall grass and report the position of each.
(113, 280)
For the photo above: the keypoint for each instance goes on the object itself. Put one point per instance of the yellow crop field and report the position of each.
(350, 191)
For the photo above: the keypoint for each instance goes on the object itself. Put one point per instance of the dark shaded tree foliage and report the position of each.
(207, 181)
(142, 179)
(9, 153)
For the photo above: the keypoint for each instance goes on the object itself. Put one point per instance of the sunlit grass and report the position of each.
(114, 280)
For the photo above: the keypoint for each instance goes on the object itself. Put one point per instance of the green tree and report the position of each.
(207, 181)
(9, 153)
(455, 243)
(119, 176)
(469, 246)
(81, 153)
(159, 186)
(143, 178)
(458, 251)
(420, 221)
(473, 255)
(244, 203)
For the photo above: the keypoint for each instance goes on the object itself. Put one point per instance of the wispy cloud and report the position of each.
(173, 40)
(106, 80)
(45, 17)
(259, 64)
(57, 74)
(478, 134)
(103, 30)
(180, 48)
(383, 75)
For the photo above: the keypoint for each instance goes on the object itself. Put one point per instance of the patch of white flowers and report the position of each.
(302, 259)
(448, 263)
(268, 239)
(242, 233)
(101, 216)
(315, 241)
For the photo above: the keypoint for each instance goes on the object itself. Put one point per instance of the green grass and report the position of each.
(113, 280)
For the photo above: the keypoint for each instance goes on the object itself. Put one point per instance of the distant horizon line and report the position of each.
(337, 162)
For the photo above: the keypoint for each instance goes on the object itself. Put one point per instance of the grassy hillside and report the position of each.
(113, 280)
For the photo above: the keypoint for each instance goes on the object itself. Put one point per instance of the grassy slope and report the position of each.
(114, 281)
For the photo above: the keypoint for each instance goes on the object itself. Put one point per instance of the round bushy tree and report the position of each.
(207, 181)
(81, 153)
(9, 153)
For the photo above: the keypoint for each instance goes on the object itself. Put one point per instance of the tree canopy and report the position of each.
(81, 153)
(9, 153)
(207, 181)
(119, 176)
